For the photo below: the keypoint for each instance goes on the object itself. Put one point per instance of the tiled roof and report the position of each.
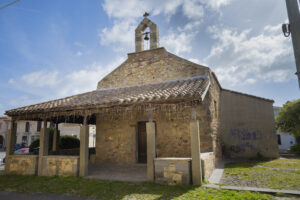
(193, 88)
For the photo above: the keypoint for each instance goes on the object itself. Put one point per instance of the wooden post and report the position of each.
(44, 145)
(150, 129)
(10, 144)
(195, 150)
(84, 148)
(11, 138)
(56, 136)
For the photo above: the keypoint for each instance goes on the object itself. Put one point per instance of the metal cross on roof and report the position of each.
(146, 14)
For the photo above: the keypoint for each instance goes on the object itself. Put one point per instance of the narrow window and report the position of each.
(27, 127)
(24, 140)
(39, 126)
(279, 139)
(215, 106)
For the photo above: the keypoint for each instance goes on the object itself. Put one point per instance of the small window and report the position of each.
(279, 139)
(32, 139)
(52, 125)
(39, 126)
(24, 140)
(215, 106)
(27, 128)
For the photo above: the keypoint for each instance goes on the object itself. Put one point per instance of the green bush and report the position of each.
(68, 142)
(34, 144)
(65, 142)
(296, 148)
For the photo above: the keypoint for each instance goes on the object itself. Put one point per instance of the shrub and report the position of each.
(296, 148)
(69, 142)
(34, 145)
(65, 142)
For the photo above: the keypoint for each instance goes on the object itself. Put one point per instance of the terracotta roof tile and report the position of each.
(169, 91)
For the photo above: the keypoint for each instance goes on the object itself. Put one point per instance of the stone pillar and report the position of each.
(195, 151)
(84, 148)
(56, 136)
(154, 36)
(10, 144)
(44, 145)
(150, 129)
(139, 41)
(11, 138)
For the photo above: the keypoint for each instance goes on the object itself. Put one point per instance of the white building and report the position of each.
(4, 126)
(285, 140)
(28, 131)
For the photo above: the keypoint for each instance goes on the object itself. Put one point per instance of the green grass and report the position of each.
(117, 190)
(266, 174)
(283, 164)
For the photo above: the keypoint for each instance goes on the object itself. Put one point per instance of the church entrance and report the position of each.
(142, 142)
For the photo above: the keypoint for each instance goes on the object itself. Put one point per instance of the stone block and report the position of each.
(21, 164)
(172, 171)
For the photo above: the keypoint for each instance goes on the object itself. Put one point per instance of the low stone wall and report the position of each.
(21, 164)
(60, 165)
(207, 164)
(172, 171)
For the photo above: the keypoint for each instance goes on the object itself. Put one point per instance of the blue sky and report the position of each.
(52, 49)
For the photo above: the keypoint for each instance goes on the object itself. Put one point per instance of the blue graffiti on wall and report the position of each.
(244, 138)
(245, 134)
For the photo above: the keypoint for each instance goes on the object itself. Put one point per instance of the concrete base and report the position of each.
(60, 166)
(132, 173)
(173, 171)
(21, 164)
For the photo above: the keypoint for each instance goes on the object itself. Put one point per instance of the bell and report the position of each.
(146, 37)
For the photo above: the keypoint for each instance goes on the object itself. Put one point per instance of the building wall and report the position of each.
(74, 130)
(287, 139)
(247, 126)
(31, 135)
(173, 136)
(4, 126)
(151, 66)
(65, 129)
(116, 138)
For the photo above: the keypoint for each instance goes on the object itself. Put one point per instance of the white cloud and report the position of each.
(79, 53)
(51, 85)
(193, 9)
(178, 42)
(216, 4)
(239, 58)
(125, 15)
(121, 34)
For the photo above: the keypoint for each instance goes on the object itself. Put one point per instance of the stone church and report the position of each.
(158, 111)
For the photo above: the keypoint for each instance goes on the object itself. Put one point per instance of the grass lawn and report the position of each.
(276, 174)
(116, 190)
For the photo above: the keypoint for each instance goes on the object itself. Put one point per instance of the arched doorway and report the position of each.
(1, 142)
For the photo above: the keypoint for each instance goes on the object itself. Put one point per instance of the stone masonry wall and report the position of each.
(173, 171)
(173, 137)
(22, 165)
(247, 126)
(61, 165)
(151, 66)
(116, 140)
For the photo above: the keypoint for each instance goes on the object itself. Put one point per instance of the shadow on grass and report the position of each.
(247, 163)
(90, 188)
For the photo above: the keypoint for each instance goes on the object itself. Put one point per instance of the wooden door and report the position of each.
(142, 142)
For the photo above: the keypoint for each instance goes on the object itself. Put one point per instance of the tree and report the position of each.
(288, 119)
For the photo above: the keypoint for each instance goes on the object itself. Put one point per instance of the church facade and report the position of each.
(159, 110)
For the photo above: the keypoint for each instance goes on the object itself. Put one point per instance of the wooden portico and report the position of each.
(151, 100)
